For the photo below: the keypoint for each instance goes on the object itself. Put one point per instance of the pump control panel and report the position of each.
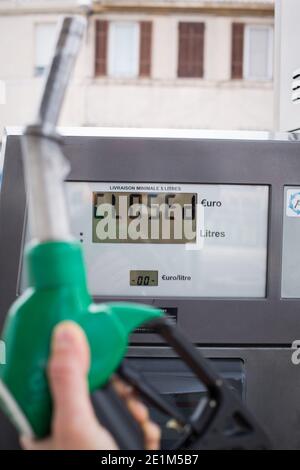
(203, 225)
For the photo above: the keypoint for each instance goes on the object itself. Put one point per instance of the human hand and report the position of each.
(74, 424)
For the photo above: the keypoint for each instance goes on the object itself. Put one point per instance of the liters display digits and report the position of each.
(163, 218)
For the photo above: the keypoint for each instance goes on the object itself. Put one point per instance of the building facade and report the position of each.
(145, 63)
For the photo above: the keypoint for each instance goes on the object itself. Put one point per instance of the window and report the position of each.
(258, 56)
(45, 36)
(252, 52)
(191, 50)
(123, 49)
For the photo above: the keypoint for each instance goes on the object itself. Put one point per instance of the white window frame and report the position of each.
(246, 65)
(111, 46)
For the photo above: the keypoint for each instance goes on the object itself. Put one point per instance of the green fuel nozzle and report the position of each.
(57, 280)
(58, 291)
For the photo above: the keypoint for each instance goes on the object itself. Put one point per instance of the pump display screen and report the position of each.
(145, 217)
(144, 278)
(172, 240)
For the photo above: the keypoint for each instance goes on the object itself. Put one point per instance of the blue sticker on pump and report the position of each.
(293, 203)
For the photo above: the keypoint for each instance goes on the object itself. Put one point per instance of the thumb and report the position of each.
(68, 368)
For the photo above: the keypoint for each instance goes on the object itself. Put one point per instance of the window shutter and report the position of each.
(101, 47)
(237, 60)
(145, 48)
(191, 50)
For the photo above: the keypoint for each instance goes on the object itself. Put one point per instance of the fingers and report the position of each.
(74, 424)
(122, 388)
(139, 411)
(28, 443)
(68, 367)
(152, 435)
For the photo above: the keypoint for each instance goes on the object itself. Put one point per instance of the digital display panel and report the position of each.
(144, 278)
(214, 245)
(203, 240)
(132, 217)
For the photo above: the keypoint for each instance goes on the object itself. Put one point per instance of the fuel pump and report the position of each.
(58, 291)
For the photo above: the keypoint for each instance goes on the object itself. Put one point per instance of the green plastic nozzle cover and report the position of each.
(58, 291)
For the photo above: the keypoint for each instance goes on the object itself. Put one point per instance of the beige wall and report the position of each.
(288, 61)
(164, 101)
